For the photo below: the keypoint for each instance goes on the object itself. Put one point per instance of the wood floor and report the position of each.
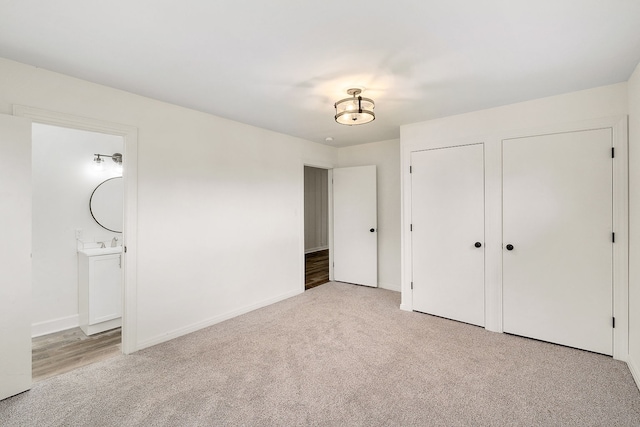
(65, 351)
(316, 269)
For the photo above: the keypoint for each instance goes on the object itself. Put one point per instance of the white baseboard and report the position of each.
(405, 307)
(635, 370)
(389, 287)
(55, 325)
(321, 248)
(213, 320)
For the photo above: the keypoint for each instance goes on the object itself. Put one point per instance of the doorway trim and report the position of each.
(130, 176)
(329, 167)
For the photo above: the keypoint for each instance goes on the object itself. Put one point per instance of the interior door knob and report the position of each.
(478, 245)
(372, 230)
(509, 247)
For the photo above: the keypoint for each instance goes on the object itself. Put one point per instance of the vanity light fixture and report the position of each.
(116, 157)
(355, 110)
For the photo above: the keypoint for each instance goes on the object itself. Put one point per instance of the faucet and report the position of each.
(102, 245)
(114, 242)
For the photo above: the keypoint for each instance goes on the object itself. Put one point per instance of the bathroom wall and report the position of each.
(316, 209)
(64, 176)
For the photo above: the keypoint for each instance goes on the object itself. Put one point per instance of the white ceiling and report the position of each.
(281, 64)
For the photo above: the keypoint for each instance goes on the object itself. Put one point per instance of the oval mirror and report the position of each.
(106, 204)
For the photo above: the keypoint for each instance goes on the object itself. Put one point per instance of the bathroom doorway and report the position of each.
(17, 313)
(77, 209)
(316, 226)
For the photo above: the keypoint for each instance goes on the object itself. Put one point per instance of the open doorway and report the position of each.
(316, 226)
(77, 245)
(16, 178)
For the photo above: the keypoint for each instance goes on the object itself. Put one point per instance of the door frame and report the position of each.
(329, 168)
(130, 180)
(493, 217)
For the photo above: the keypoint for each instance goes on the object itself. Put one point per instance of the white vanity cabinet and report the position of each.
(100, 289)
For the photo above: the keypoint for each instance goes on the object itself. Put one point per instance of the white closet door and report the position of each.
(15, 255)
(355, 241)
(557, 217)
(447, 215)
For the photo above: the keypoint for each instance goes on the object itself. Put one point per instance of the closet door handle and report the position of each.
(372, 230)
(478, 245)
(509, 247)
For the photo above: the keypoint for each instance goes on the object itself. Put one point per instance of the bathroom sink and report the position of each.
(101, 251)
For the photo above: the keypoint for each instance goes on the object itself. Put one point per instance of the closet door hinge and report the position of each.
(410, 169)
(411, 285)
(410, 227)
(613, 152)
(613, 321)
(613, 237)
(125, 249)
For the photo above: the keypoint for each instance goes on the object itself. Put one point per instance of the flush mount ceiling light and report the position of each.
(355, 110)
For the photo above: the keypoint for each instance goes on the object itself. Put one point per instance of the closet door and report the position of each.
(447, 215)
(557, 231)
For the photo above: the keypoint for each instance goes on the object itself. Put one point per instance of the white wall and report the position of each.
(316, 209)
(63, 179)
(634, 224)
(489, 126)
(386, 156)
(219, 203)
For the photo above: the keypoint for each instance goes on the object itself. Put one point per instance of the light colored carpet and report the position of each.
(339, 355)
